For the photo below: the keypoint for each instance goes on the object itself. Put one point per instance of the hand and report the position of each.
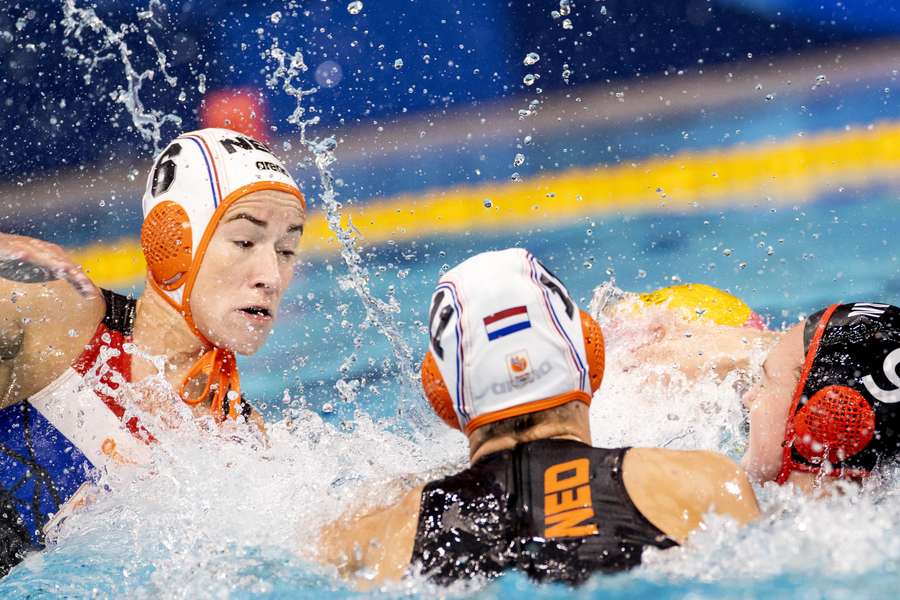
(29, 260)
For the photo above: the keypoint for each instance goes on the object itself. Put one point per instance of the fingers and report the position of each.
(29, 260)
(84, 286)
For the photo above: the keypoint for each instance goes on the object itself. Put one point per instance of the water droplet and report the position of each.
(641, 274)
(565, 7)
(488, 203)
(821, 78)
(742, 264)
(603, 13)
(328, 408)
(531, 58)
(527, 140)
(275, 17)
(398, 64)
(73, 332)
(519, 160)
(355, 7)
(770, 97)
(727, 252)
(515, 177)
(567, 24)
(530, 79)
(524, 113)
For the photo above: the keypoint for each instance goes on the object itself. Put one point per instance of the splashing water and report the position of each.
(287, 70)
(77, 22)
(219, 514)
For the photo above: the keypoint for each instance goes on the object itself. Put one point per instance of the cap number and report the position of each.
(164, 173)
(444, 320)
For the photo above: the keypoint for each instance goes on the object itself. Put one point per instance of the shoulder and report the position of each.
(55, 322)
(696, 470)
(675, 489)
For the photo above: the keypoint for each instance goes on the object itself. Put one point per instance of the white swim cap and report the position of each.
(507, 340)
(193, 182)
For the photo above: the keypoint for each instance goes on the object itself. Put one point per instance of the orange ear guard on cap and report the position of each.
(437, 393)
(594, 349)
(166, 242)
(836, 423)
(442, 403)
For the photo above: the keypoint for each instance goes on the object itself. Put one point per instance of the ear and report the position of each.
(166, 242)
(836, 423)
(437, 393)
(594, 348)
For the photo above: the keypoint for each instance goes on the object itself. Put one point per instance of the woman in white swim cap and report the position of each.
(223, 219)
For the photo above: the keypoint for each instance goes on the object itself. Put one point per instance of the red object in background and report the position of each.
(240, 109)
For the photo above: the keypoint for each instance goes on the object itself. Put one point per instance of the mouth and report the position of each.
(256, 313)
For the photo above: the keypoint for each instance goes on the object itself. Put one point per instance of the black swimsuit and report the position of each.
(555, 509)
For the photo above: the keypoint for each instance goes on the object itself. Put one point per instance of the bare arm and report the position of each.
(373, 546)
(674, 489)
(48, 311)
(769, 402)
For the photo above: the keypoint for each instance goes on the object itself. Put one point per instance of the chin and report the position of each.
(247, 344)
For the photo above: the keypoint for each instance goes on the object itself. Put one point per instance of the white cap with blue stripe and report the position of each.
(198, 176)
(506, 339)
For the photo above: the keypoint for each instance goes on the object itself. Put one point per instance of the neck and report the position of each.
(577, 432)
(161, 330)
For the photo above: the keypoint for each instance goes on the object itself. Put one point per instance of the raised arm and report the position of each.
(373, 545)
(769, 403)
(48, 311)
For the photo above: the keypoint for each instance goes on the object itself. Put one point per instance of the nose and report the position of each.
(266, 272)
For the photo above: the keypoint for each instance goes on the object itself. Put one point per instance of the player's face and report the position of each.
(247, 267)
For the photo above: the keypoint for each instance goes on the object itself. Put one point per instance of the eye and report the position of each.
(243, 244)
(287, 253)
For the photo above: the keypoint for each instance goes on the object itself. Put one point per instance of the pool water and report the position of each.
(222, 516)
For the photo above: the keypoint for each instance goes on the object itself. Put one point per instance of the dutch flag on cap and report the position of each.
(507, 321)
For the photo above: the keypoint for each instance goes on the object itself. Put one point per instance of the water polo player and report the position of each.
(514, 365)
(222, 221)
(827, 403)
(696, 329)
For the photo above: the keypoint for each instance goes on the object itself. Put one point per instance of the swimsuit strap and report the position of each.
(120, 312)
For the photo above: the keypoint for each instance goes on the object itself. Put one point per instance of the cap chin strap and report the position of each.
(220, 368)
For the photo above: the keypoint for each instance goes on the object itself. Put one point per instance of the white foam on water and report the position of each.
(656, 404)
(844, 534)
(215, 506)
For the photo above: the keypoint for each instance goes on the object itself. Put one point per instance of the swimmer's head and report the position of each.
(507, 340)
(222, 219)
(690, 301)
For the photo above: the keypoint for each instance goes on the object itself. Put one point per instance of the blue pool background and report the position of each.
(839, 246)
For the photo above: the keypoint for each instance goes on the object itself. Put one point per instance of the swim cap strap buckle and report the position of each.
(219, 366)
